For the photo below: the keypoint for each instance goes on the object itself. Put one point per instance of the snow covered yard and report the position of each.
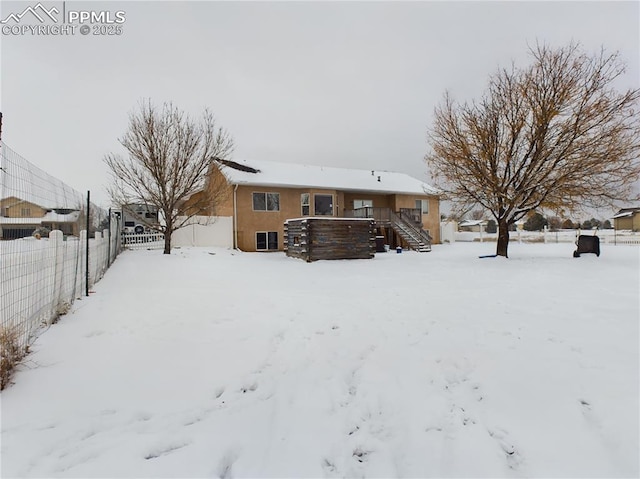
(407, 365)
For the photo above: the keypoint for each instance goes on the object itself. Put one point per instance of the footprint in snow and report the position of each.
(477, 392)
(249, 388)
(143, 416)
(512, 455)
(164, 450)
(587, 412)
(194, 418)
(353, 431)
(328, 466)
(225, 466)
(94, 333)
(360, 455)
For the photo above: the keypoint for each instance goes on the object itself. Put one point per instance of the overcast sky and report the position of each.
(337, 84)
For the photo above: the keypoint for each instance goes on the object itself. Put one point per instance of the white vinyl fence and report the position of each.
(561, 236)
(143, 241)
(205, 231)
(41, 278)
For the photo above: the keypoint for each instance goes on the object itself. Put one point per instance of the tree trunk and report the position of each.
(503, 238)
(167, 241)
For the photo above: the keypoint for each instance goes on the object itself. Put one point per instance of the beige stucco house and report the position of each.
(262, 195)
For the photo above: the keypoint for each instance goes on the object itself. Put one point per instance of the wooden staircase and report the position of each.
(412, 234)
(406, 224)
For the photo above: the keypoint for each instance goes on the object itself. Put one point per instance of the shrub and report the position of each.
(10, 354)
(535, 222)
(41, 232)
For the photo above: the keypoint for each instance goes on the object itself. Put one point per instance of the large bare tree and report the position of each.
(170, 164)
(554, 135)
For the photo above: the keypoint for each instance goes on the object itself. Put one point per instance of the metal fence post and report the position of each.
(87, 246)
(109, 247)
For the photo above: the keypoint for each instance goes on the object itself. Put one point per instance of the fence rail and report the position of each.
(613, 237)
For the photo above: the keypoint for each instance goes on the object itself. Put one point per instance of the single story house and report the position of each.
(627, 219)
(262, 195)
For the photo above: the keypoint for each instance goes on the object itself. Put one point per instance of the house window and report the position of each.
(25, 212)
(305, 201)
(423, 206)
(267, 240)
(266, 201)
(362, 204)
(323, 205)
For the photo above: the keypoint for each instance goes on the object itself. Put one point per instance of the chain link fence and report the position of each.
(54, 246)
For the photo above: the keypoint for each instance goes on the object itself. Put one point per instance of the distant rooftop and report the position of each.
(291, 175)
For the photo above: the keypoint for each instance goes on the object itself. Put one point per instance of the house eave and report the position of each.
(323, 187)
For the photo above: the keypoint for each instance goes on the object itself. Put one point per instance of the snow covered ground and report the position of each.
(212, 363)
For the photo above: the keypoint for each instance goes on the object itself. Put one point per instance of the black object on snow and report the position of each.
(587, 244)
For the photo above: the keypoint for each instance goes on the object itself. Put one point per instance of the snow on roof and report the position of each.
(271, 173)
(473, 223)
(622, 215)
(50, 217)
(623, 212)
(54, 217)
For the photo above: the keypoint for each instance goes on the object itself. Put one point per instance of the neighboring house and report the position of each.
(20, 218)
(627, 219)
(476, 226)
(262, 195)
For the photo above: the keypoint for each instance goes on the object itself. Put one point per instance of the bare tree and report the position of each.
(554, 135)
(170, 164)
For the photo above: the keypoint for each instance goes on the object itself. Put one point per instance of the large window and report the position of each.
(323, 205)
(304, 203)
(266, 202)
(267, 240)
(423, 206)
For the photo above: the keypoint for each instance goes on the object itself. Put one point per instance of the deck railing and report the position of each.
(382, 216)
(412, 215)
